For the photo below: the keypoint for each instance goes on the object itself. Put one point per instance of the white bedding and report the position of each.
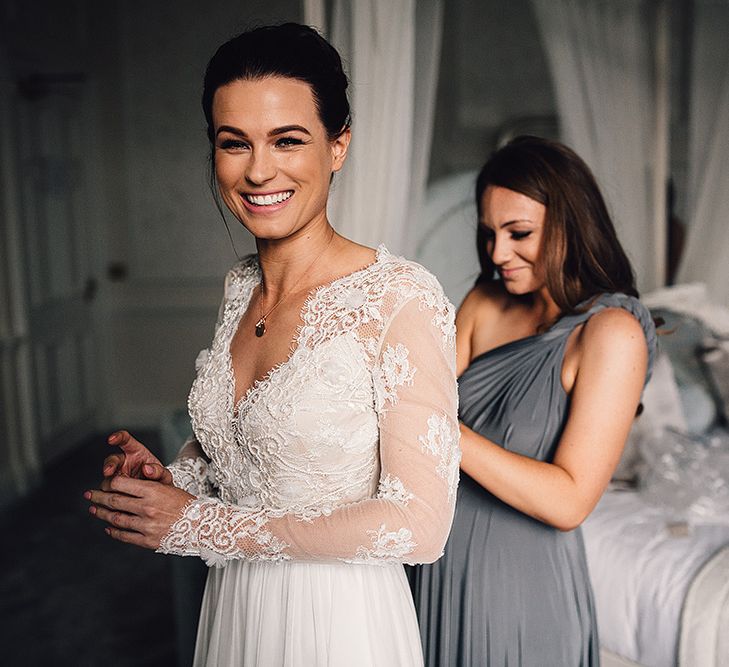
(705, 626)
(641, 572)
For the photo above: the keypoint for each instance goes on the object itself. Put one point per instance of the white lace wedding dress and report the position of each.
(330, 472)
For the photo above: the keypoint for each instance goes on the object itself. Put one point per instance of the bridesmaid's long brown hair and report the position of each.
(580, 249)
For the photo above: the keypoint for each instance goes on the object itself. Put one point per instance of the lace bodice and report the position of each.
(348, 450)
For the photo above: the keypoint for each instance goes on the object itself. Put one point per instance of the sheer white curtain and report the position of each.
(391, 51)
(706, 254)
(315, 14)
(603, 72)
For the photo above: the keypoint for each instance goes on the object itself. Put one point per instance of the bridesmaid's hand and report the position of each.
(139, 512)
(134, 460)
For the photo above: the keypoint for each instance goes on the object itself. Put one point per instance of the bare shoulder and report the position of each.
(617, 321)
(614, 331)
(483, 300)
(479, 322)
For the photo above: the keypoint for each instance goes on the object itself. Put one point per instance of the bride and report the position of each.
(325, 452)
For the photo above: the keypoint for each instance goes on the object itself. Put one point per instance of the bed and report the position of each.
(658, 541)
(661, 589)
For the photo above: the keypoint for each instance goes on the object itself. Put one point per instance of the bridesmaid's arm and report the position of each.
(610, 376)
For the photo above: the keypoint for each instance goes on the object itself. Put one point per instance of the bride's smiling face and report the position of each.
(273, 158)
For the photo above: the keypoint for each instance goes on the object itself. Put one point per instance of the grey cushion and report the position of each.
(715, 357)
(683, 341)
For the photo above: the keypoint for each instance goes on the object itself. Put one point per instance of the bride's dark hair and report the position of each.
(581, 254)
(289, 50)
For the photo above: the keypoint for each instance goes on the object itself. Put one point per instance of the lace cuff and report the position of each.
(218, 533)
(192, 475)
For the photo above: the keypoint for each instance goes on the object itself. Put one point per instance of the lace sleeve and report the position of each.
(409, 518)
(190, 470)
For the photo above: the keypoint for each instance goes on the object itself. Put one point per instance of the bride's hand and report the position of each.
(139, 512)
(134, 460)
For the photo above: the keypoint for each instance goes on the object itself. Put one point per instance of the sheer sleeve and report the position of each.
(409, 518)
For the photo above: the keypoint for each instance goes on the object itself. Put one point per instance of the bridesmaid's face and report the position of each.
(273, 158)
(514, 225)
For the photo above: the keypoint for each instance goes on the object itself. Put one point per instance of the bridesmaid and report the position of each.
(553, 352)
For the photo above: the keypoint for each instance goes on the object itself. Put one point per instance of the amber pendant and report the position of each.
(261, 327)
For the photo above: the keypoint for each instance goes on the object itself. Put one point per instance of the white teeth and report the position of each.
(267, 200)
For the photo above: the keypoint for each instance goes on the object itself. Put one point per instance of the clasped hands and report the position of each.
(137, 497)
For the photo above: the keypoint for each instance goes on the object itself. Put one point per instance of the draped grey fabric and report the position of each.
(511, 591)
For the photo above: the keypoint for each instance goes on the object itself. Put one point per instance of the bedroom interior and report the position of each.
(112, 259)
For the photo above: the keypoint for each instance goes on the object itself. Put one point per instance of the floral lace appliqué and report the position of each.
(442, 441)
(392, 488)
(394, 371)
(388, 545)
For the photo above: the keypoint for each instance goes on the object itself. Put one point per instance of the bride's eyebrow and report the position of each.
(275, 132)
(288, 128)
(231, 129)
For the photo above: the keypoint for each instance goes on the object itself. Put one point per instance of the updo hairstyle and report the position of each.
(289, 50)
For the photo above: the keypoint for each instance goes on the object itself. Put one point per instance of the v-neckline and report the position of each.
(381, 253)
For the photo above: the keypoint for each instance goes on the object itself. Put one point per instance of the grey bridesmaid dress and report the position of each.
(511, 591)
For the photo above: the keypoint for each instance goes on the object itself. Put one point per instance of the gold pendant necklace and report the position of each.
(261, 327)
(261, 324)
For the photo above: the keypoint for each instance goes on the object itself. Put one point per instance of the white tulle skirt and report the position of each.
(298, 614)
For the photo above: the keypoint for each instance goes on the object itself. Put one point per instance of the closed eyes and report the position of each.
(515, 235)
